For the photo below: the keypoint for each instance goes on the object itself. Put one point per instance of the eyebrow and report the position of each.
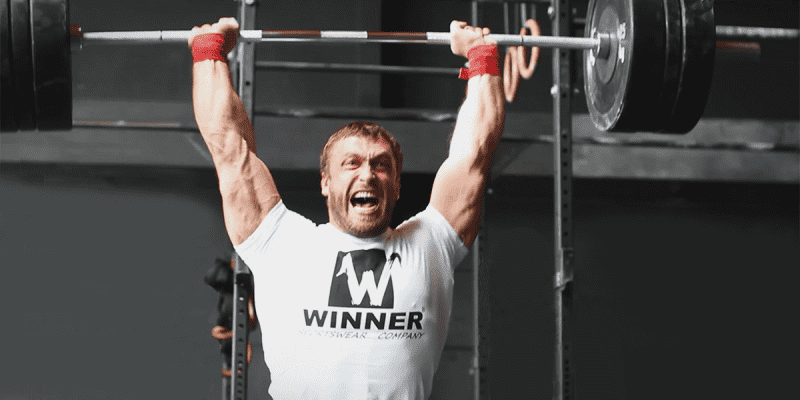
(379, 156)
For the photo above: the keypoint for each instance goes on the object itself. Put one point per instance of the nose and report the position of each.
(366, 173)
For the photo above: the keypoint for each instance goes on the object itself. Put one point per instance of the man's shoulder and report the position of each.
(281, 225)
(427, 224)
(428, 217)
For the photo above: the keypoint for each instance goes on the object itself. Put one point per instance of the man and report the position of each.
(351, 309)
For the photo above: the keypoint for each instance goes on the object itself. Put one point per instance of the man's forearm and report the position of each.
(219, 112)
(480, 120)
(245, 183)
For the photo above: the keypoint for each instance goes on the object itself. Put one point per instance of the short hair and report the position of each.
(362, 129)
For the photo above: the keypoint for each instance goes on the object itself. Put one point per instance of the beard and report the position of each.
(363, 226)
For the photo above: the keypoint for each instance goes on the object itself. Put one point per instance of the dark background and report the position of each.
(684, 289)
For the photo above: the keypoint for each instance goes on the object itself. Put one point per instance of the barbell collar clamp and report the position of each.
(604, 41)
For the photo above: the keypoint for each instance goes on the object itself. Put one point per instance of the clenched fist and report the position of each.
(465, 37)
(228, 27)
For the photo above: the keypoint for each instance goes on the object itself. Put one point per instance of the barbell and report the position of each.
(647, 63)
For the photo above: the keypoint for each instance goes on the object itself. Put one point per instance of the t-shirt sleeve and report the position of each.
(279, 229)
(439, 236)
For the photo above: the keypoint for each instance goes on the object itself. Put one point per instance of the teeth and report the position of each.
(362, 195)
(364, 199)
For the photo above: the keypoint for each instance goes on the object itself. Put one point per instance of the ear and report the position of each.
(397, 188)
(324, 182)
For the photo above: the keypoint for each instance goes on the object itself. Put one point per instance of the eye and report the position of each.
(383, 165)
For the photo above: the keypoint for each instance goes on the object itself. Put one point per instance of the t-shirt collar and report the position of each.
(355, 239)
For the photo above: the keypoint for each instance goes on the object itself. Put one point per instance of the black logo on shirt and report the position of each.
(363, 278)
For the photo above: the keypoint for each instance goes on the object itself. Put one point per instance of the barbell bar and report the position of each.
(755, 32)
(443, 38)
(648, 65)
(310, 36)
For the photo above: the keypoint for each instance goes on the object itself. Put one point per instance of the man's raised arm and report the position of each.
(459, 185)
(246, 185)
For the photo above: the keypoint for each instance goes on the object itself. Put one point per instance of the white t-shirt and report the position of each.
(350, 318)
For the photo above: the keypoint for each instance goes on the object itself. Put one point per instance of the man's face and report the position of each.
(361, 185)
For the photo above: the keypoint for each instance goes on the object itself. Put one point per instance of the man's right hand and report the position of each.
(228, 27)
(465, 37)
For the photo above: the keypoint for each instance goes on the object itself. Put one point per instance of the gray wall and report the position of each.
(683, 290)
(671, 294)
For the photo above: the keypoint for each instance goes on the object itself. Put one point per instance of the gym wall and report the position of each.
(684, 288)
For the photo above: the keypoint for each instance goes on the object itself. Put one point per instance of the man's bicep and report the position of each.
(248, 194)
(458, 195)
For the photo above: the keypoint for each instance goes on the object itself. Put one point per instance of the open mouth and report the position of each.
(364, 200)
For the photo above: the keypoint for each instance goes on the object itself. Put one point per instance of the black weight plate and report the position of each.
(645, 54)
(673, 61)
(699, 37)
(605, 78)
(8, 121)
(22, 67)
(636, 89)
(52, 64)
(629, 100)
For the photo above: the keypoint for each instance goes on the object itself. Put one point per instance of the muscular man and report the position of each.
(351, 309)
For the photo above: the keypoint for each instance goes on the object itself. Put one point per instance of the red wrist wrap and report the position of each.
(208, 47)
(483, 59)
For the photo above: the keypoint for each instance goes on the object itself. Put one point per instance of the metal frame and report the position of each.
(242, 288)
(480, 291)
(246, 56)
(242, 279)
(563, 387)
(353, 68)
